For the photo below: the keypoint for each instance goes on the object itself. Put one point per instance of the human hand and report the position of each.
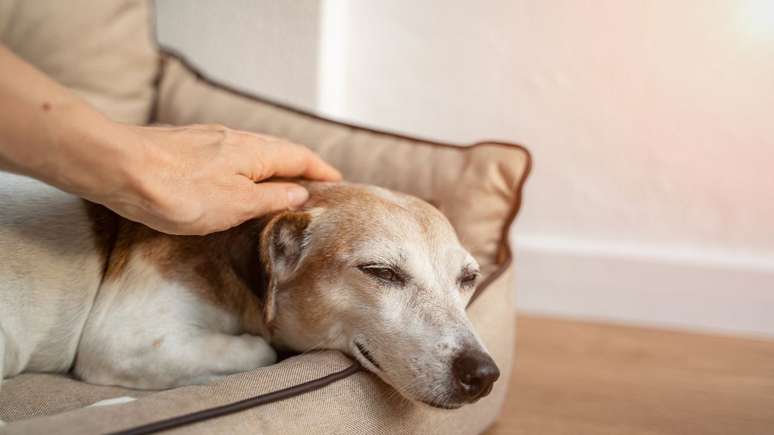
(182, 180)
(204, 178)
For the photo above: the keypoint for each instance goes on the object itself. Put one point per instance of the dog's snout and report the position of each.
(474, 372)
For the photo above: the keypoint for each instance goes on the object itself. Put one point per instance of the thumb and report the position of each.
(267, 197)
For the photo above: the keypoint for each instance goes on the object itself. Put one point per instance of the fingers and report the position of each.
(261, 156)
(280, 158)
(286, 159)
(267, 197)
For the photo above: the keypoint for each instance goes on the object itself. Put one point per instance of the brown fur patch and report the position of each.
(104, 225)
(206, 264)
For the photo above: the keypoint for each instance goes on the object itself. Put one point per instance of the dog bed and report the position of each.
(106, 52)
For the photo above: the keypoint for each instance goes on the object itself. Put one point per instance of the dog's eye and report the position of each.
(468, 279)
(383, 273)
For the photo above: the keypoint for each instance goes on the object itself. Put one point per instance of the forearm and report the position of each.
(49, 133)
(185, 180)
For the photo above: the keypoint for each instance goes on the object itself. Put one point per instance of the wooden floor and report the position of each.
(582, 378)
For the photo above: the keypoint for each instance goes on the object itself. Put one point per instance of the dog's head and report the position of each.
(381, 276)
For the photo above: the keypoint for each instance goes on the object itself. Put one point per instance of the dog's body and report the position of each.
(373, 273)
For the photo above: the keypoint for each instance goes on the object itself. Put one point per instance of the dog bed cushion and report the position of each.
(104, 51)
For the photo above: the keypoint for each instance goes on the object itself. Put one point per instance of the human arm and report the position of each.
(183, 180)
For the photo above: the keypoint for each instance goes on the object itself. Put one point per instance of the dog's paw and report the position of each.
(260, 354)
(113, 401)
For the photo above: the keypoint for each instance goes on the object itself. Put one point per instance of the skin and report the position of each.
(191, 180)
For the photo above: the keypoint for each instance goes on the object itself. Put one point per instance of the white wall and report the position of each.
(651, 124)
(264, 46)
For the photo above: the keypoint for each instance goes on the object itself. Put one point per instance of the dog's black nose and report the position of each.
(475, 372)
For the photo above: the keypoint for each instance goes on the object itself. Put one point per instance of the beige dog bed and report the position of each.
(105, 51)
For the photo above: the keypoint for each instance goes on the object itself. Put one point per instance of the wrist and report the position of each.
(125, 169)
(91, 156)
(133, 175)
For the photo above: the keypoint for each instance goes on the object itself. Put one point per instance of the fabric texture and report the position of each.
(103, 50)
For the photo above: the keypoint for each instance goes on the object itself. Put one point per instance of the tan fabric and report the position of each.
(38, 394)
(103, 50)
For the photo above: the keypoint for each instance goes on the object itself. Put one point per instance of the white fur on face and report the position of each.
(412, 329)
(421, 325)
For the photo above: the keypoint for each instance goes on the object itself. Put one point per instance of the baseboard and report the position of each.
(729, 293)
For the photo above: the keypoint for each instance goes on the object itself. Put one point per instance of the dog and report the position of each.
(373, 273)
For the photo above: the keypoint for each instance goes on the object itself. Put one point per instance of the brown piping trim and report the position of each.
(242, 405)
(173, 53)
(504, 253)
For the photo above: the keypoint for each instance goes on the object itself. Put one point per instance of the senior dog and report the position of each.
(373, 273)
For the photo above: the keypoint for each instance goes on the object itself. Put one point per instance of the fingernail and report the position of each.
(297, 196)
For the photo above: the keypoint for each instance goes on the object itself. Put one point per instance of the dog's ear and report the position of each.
(283, 242)
(432, 202)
